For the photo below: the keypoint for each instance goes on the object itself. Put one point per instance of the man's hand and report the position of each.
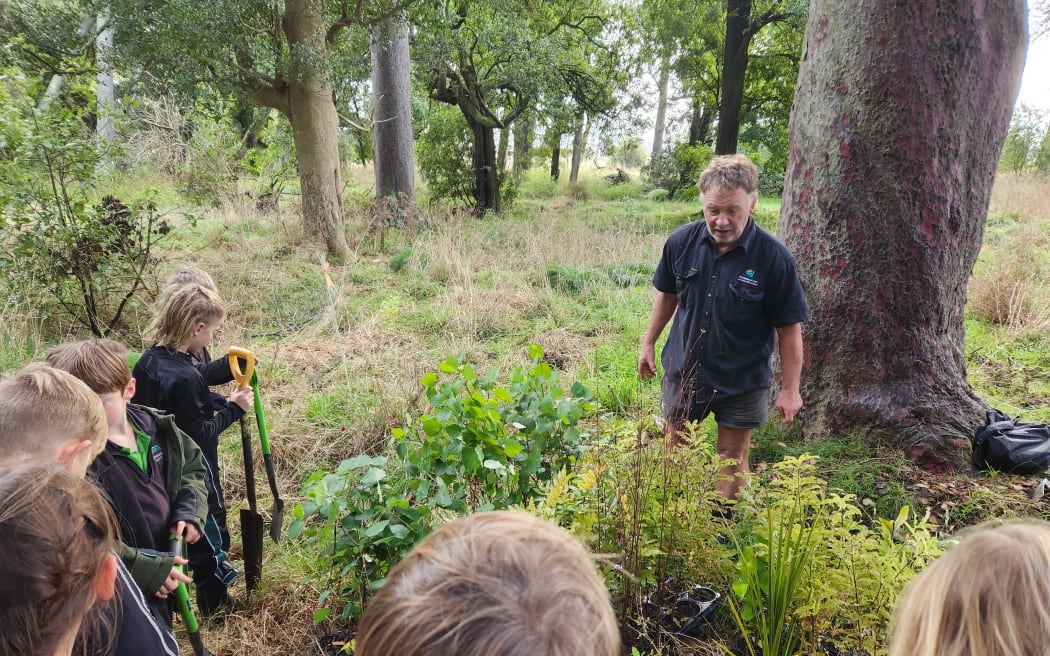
(647, 361)
(172, 582)
(789, 402)
(187, 530)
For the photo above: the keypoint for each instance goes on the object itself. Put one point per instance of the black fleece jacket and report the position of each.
(168, 380)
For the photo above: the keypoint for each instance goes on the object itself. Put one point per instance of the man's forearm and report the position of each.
(664, 306)
(789, 339)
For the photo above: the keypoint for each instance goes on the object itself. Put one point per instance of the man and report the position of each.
(730, 286)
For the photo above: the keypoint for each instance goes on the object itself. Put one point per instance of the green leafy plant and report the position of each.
(493, 445)
(369, 524)
(810, 571)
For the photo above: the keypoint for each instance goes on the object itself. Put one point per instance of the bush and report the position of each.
(678, 168)
(91, 256)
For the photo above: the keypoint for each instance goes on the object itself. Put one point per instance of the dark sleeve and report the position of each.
(786, 299)
(208, 430)
(216, 372)
(128, 628)
(663, 277)
(191, 500)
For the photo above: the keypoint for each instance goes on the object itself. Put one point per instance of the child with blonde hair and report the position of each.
(151, 471)
(167, 380)
(49, 415)
(56, 537)
(499, 583)
(989, 595)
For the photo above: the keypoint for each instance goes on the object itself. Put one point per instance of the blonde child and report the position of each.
(152, 473)
(989, 595)
(167, 380)
(47, 414)
(56, 537)
(500, 583)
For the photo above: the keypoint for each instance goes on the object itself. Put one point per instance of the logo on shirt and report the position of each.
(156, 453)
(748, 278)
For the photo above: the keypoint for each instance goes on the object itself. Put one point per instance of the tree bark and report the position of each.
(901, 112)
(392, 111)
(486, 174)
(699, 124)
(105, 127)
(579, 145)
(661, 107)
(315, 124)
(523, 128)
(555, 156)
(734, 67)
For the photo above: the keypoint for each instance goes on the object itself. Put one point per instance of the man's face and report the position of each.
(726, 212)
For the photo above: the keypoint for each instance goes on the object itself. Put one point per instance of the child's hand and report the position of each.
(244, 398)
(172, 582)
(188, 531)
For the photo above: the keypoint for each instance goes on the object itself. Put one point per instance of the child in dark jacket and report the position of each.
(167, 379)
(48, 414)
(151, 471)
(214, 372)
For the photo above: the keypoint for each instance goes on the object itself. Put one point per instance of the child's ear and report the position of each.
(129, 389)
(198, 327)
(74, 455)
(105, 583)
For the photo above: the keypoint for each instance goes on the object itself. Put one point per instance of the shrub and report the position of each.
(91, 256)
(678, 168)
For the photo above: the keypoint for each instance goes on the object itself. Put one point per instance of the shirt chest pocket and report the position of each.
(745, 302)
(687, 281)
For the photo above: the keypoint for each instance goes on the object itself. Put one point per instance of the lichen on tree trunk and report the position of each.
(900, 113)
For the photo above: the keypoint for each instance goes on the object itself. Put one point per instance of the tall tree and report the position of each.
(895, 135)
(279, 54)
(744, 21)
(392, 111)
(494, 59)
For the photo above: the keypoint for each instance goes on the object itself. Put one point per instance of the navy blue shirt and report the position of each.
(729, 307)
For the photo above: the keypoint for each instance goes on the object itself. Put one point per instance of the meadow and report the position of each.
(342, 357)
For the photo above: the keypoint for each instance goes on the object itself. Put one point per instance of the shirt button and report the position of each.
(709, 295)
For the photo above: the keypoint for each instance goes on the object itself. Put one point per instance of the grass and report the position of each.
(341, 366)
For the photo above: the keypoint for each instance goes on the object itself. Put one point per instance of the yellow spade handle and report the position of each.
(237, 354)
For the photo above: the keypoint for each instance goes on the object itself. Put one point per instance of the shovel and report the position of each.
(277, 516)
(182, 603)
(251, 520)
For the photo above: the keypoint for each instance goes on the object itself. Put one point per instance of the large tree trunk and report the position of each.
(315, 125)
(486, 172)
(523, 128)
(661, 107)
(734, 67)
(501, 150)
(579, 145)
(901, 111)
(392, 111)
(105, 127)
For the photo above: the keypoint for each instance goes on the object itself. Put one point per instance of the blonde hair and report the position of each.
(180, 310)
(728, 172)
(190, 275)
(101, 363)
(989, 595)
(43, 408)
(500, 583)
(56, 532)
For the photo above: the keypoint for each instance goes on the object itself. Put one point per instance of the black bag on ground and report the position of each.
(1012, 446)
